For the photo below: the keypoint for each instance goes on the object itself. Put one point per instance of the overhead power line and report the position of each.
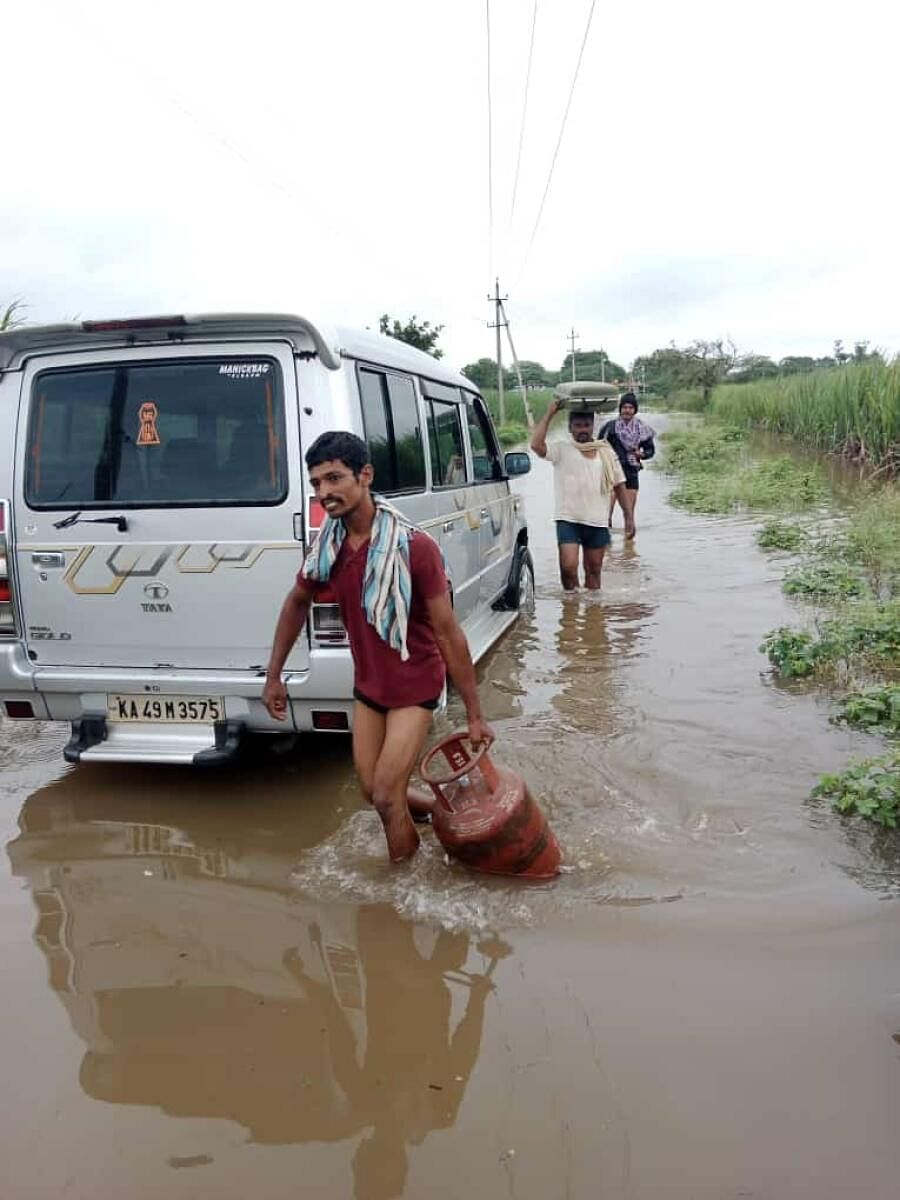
(512, 210)
(562, 130)
(490, 123)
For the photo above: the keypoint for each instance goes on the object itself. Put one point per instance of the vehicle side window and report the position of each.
(448, 455)
(391, 423)
(485, 454)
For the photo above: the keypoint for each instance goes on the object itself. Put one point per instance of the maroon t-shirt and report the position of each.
(379, 672)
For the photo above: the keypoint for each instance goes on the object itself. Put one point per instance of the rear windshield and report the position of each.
(192, 432)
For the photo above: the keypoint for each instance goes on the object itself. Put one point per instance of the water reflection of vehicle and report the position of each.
(201, 984)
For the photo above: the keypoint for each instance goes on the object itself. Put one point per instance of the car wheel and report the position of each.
(525, 593)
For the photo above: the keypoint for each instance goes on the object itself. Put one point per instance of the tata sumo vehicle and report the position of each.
(154, 510)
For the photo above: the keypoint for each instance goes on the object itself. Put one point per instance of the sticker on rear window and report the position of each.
(147, 414)
(245, 370)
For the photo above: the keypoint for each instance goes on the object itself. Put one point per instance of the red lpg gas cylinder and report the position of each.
(485, 816)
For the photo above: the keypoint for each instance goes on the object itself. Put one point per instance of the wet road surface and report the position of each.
(214, 985)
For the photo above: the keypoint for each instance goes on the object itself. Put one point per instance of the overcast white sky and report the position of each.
(728, 168)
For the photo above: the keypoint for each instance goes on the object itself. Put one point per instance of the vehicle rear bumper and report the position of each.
(80, 696)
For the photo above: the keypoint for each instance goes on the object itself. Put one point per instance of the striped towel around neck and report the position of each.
(387, 583)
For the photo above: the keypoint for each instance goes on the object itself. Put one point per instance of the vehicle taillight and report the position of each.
(315, 516)
(7, 613)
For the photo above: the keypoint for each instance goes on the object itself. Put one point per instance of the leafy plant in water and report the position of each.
(874, 709)
(780, 535)
(824, 581)
(869, 788)
(865, 633)
(793, 652)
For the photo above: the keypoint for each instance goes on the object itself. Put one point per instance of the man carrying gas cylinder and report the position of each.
(391, 586)
(585, 474)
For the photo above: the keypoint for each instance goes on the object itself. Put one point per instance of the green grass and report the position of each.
(538, 401)
(512, 434)
(852, 410)
(869, 788)
(781, 535)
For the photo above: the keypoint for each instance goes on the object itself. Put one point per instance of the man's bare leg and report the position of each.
(405, 731)
(568, 565)
(631, 502)
(593, 565)
(368, 738)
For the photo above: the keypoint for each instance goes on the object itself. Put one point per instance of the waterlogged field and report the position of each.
(716, 474)
(852, 410)
(845, 566)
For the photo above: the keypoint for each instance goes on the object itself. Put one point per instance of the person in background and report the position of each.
(632, 441)
(585, 473)
(391, 584)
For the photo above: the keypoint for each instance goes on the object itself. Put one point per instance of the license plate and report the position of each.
(181, 710)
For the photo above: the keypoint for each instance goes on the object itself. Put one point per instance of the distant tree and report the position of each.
(12, 315)
(534, 374)
(753, 366)
(661, 372)
(421, 334)
(483, 374)
(708, 363)
(862, 353)
(822, 363)
(840, 354)
(796, 364)
(588, 366)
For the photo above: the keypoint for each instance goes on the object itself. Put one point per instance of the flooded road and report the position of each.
(214, 985)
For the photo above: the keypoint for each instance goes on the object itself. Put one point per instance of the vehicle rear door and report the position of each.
(155, 496)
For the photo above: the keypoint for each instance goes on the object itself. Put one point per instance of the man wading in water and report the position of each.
(585, 473)
(391, 585)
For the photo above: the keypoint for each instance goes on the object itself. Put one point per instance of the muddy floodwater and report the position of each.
(215, 986)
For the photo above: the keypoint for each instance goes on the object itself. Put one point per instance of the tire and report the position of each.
(519, 594)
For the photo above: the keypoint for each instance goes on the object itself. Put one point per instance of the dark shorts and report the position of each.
(431, 705)
(591, 537)
(632, 479)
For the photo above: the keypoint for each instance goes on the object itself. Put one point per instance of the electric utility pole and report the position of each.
(522, 388)
(573, 338)
(499, 323)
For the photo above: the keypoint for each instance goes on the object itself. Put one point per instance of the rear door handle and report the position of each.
(448, 525)
(48, 559)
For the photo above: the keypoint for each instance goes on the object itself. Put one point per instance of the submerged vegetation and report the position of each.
(781, 535)
(859, 638)
(870, 788)
(717, 476)
(874, 709)
(824, 581)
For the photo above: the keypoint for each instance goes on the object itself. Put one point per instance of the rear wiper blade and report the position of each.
(121, 523)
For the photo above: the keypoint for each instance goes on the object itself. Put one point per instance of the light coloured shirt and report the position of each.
(582, 483)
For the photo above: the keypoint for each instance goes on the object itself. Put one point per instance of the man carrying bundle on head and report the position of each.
(391, 585)
(586, 473)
